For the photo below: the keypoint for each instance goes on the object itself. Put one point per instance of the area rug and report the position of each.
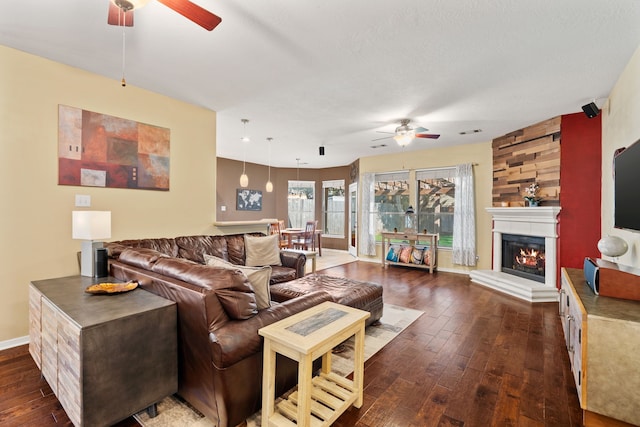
(173, 411)
(331, 258)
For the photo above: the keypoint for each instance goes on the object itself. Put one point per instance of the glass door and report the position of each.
(353, 219)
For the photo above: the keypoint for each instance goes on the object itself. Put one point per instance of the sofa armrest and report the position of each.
(237, 340)
(295, 260)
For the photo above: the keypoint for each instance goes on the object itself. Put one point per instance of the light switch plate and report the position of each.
(223, 208)
(83, 200)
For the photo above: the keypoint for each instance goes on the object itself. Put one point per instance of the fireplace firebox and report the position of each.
(523, 256)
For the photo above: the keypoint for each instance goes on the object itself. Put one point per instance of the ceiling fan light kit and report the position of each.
(128, 5)
(404, 139)
(405, 133)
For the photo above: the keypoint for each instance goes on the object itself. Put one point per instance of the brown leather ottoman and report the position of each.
(353, 293)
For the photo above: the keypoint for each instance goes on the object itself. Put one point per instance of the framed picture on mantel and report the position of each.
(248, 200)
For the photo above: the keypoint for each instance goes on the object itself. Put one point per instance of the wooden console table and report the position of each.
(413, 239)
(602, 338)
(105, 357)
(304, 337)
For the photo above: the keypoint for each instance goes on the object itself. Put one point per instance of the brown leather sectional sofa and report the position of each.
(219, 349)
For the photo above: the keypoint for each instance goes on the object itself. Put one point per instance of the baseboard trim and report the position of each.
(15, 342)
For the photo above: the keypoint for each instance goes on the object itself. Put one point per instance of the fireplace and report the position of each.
(523, 256)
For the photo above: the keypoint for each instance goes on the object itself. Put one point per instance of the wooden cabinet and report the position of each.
(603, 341)
(105, 357)
(412, 239)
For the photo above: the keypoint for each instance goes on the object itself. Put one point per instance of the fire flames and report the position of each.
(530, 258)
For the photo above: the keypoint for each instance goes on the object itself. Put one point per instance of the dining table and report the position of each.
(292, 233)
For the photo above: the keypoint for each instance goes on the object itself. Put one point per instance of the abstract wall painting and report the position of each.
(98, 150)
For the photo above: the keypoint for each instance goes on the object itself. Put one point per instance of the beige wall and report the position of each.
(620, 128)
(478, 154)
(36, 212)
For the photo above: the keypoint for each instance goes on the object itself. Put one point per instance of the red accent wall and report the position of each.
(580, 189)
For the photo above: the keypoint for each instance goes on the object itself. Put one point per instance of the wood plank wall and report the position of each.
(525, 156)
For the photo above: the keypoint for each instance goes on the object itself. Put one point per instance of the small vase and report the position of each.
(532, 203)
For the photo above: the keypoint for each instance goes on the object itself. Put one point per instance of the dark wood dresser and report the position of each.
(105, 357)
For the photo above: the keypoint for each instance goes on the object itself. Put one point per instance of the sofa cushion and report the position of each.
(263, 250)
(166, 246)
(281, 274)
(240, 304)
(141, 257)
(235, 248)
(259, 277)
(193, 247)
(172, 267)
(233, 289)
(114, 249)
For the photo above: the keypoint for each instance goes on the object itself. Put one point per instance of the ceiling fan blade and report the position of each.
(118, 17)
(427, 135)
(193, 12)
(420, 129)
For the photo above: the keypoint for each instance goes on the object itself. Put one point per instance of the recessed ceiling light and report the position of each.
(467, 132)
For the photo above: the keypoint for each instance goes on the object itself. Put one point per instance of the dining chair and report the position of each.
(307, 240)
(274, 228)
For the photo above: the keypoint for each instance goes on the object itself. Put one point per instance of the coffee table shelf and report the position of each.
(303, 337)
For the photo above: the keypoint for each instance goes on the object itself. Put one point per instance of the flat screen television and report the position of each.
(626, 168)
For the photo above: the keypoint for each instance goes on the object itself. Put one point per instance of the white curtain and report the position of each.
(367, 236)
(464, 217)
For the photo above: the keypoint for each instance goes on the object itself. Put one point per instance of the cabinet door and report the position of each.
(50, 344)
(574, 320)
(70, 392)
(572, 326)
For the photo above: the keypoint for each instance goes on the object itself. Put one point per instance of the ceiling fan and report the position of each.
(405, 133)
(121, 12)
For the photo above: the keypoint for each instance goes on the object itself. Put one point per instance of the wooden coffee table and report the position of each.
(304, 337)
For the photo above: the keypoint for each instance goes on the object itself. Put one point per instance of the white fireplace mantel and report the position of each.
(534, 221)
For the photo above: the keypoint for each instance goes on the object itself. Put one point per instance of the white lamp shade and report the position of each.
(91, 225)
(612, 246)
(244, 180)
(404, 139)
(269, 186)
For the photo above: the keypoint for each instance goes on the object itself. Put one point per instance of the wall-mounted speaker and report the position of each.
(321, 150)
(591, 110)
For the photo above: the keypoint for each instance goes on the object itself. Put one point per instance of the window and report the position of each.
(391, 200)
(333, 207)
(436, 203)
(301, 203)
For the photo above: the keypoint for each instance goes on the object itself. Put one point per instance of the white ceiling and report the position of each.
(335, 72)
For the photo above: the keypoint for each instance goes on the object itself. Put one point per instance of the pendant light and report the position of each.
(297, 194)
(269, 185)
(244, 179)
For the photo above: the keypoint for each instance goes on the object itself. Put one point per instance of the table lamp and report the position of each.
(90, 226)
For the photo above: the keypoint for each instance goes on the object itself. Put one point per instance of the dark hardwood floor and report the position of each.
(475, 358)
